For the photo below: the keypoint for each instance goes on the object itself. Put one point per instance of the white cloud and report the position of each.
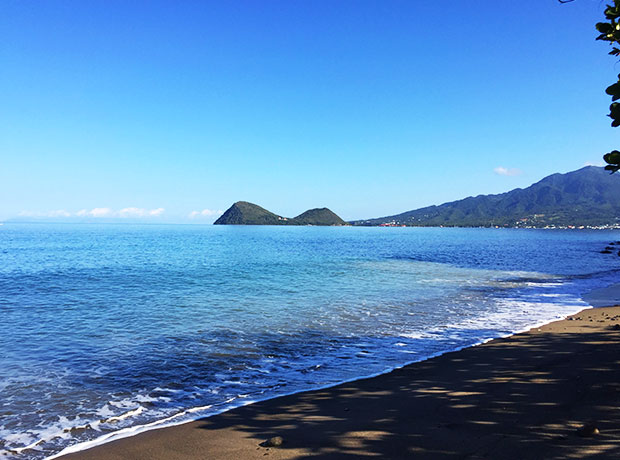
(100, 212)
(130, 212)
(140, 212)
(156, 212)
(600, 163)
(205, 213)
(500, 170)
(57, 213)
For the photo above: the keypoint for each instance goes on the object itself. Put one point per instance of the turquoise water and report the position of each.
(108, 328)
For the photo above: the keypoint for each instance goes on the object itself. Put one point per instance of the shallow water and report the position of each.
(111, 327)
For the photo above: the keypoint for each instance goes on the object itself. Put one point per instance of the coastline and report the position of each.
(423, 309)
(422, 408)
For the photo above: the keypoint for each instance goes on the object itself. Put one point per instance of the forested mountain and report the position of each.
(589, 196)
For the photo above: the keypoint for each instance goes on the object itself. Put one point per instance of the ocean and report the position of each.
(109, 330)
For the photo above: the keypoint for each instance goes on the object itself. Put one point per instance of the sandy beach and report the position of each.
(551, 392)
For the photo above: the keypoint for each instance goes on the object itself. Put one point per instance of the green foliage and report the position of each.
(318, 216)
(244, 213)
(613, 161)
(610, 32)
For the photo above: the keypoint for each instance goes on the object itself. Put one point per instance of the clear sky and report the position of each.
(164, 109)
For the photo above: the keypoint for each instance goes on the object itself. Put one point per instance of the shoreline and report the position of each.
(137, 444)
(132, 431)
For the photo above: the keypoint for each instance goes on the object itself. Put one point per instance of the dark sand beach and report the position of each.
(523, 397)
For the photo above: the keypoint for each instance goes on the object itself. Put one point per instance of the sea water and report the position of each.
(107, 330)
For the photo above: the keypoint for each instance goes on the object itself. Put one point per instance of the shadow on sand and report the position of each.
(517, 398)
(523, 397)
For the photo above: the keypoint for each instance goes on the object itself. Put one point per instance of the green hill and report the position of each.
(589, 196)
(244, 213)
(318, 216)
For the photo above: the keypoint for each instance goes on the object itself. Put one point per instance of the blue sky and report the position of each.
(164, 109)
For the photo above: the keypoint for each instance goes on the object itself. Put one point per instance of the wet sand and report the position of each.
(523, 397)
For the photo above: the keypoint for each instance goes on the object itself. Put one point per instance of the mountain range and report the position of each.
(589, 196)
(244, 213)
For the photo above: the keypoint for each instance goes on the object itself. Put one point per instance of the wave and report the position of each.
(515, 311)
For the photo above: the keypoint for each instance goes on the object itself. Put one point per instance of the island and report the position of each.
(245, 213)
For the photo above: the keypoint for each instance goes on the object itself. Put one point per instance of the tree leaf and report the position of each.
(612, 157)
(604, 27)
(612, 168)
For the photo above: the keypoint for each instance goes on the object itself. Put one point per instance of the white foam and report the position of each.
(242, 400)
(126, 415)
(514, 315)
(105, 411)
(64, 427)
(54, 431)
(129, 431)
(168, 390)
